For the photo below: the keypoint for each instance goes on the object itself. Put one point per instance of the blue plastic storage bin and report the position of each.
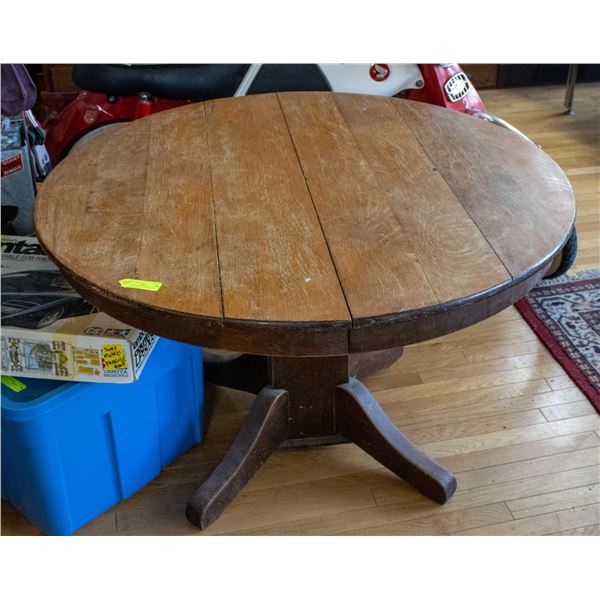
(70, 451)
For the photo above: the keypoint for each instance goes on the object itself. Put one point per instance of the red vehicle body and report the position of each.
(92, 110)
(433, 92)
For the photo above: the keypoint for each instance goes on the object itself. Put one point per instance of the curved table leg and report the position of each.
(312, 401)
(264, 429)
(359, 417)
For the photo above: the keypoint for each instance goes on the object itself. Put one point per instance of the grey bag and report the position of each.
(18, 91)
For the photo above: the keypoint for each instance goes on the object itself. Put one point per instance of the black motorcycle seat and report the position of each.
(175, 82)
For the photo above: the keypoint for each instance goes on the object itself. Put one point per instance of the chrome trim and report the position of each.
(502, 123)
(247, 80)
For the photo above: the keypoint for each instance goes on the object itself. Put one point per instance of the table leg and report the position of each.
(359, 417)
(262, 432)
(312, 401)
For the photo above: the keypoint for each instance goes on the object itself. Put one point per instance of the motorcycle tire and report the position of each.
(567, 257)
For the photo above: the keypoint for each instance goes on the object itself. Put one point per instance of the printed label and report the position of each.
(12, 165)
(87, 361)
(113, 357)
(140, 284)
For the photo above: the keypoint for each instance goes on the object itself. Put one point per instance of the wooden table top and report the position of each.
(305, 223)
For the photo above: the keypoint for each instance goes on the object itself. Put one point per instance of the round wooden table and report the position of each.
(302, 229)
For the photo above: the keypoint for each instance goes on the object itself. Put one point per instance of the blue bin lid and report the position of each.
(35, 393)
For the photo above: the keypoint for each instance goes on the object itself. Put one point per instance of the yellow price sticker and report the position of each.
(113, 357)
(14, 384)
(141, 284)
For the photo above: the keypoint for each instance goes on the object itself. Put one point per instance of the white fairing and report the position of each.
(354, 78)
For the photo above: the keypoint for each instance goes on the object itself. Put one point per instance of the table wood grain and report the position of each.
(301, 224)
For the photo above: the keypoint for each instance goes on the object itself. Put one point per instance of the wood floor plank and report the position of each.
(415, 356)
(393, 378)
(14, 523)
(515, 471)
(411, 413)
(248, 510)
(518, 435)
(408, 405)
(542, 524)
(453, 342)
(424, 433)
(554, 501)
(475, 382)
(586, 530)
(509, 490)
(485, 352)
(521, 452)
(566, 411)
(492, 366)
(560, 382)
(105, 524)
(443, 523)
(494, 325)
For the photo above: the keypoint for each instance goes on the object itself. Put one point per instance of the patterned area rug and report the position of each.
(565, 314)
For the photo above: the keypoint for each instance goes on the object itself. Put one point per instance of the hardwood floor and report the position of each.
(489, 402)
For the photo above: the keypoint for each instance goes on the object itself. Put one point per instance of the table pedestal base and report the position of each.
(310, 401)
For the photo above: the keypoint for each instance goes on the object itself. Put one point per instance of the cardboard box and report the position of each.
(18, 179)
(50, 332)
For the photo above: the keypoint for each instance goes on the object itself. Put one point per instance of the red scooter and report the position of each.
(118, 93)
(114, 94)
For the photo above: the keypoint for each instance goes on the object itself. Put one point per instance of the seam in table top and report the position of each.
(382, 194)
(206, 105)
(412, 133)
(316, 211)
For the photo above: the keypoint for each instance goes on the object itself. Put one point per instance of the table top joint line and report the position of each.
(409, 128)
(368, 163)
(317, 214)
(214, 209)
(145, 208)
